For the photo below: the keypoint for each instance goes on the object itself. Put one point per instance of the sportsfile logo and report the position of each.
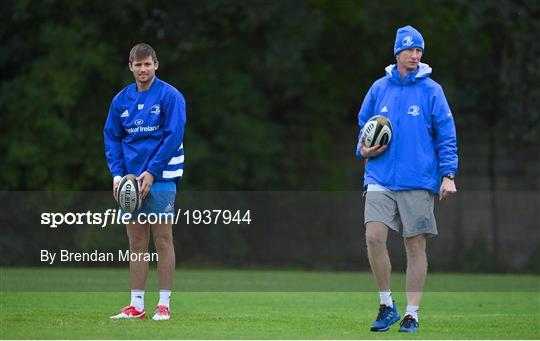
(117, 217)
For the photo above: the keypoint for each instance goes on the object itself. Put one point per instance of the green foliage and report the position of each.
(270, 86)
(477, 258)
(533, 262)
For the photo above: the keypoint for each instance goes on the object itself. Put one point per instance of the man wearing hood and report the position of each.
(403, 178)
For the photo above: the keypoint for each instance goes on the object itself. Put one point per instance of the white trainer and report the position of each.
(162, 313)
(130, 312)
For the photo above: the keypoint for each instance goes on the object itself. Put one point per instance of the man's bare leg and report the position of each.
(163, 240)
(376, 235)
(416, 272)
(139, 236)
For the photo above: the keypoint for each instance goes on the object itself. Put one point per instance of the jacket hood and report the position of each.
(423, 71)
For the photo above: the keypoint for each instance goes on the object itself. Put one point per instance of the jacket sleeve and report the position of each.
(174, 110)
(113, 134)
(365, 113)
(444, 134)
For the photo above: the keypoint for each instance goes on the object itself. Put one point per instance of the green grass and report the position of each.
(189, 280)
(259, 314)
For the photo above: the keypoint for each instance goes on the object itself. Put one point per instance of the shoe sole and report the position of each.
(384, 329)
(128, 318)
(407, 331)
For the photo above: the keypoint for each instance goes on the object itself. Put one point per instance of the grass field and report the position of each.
(259, 314)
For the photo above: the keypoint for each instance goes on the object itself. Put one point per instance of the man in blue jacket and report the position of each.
(402, 178)
(143, 136)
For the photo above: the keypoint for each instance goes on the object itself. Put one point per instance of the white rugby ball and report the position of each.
(378, 130)
(128, 194)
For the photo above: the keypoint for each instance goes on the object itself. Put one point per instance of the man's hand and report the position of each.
(116, 182)
(448, 187)
(371, 151)
(145, 182)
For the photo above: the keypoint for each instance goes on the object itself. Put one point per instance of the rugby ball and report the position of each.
(127, 194)
(378, 130)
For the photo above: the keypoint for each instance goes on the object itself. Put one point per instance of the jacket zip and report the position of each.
(398, 120)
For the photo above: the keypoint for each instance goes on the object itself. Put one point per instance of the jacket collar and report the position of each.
(423, 71)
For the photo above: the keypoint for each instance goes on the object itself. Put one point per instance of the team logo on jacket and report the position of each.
(156, 109)
(140, 106)
(414, 110)
(125, 114)
(139, 122)
(407, 41)
(384, 109)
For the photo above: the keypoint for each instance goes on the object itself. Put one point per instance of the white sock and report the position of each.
(413, 311)
(164, 297)
(386, 298)
(137, 299)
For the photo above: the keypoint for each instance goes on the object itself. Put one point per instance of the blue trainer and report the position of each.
(387, 316)
(408, 325)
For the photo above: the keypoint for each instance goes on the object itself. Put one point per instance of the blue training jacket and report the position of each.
(423, 146)
(144, 132)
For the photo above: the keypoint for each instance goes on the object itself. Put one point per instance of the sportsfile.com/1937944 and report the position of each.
(116, 217)
(208, 217)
